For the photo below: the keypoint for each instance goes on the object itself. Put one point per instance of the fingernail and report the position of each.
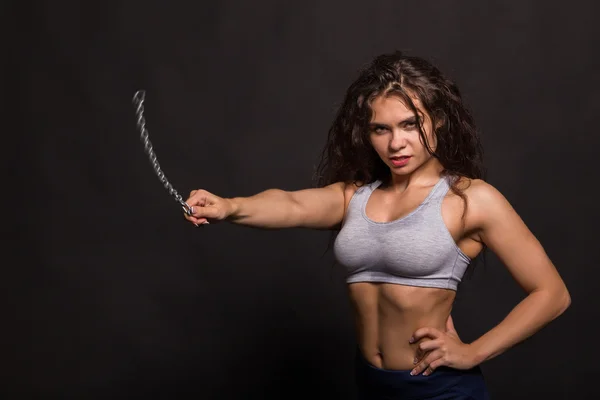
(205, 223)
(413, 372)
(192, 210)
(196, 225)
(416, 360)
(412, 339)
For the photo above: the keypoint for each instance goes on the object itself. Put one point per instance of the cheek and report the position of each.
(378, 144)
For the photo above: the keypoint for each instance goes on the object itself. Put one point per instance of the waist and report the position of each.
(390, 349)
(387, 315)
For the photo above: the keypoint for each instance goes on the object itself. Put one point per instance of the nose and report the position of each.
(398, 140)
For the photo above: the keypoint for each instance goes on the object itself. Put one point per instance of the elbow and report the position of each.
(556, 300)
(561, 298)
(565, 300)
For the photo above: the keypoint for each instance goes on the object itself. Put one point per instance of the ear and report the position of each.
(439, 121)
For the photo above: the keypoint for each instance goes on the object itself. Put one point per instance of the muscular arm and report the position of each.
(321, 208)
(507, 236)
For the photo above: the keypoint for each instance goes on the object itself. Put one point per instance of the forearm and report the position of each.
(528, 317)
(271, 209)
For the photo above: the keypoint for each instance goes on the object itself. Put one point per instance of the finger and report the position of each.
(194, 219)
(198, 221)
(426, 362)
(196, 215)
(424, 332)
(434, 365)
(427, 346)
(208, 212)
(197, 197)
(191, 219)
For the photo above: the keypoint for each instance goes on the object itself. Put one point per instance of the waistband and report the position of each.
(376, 383)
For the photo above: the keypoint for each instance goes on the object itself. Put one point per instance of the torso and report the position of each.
(386, 314)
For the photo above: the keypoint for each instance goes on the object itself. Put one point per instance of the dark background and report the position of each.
(108, 293)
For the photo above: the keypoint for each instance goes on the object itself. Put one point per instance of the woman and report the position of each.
(401, 182)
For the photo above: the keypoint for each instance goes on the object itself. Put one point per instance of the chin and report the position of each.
(401, 171)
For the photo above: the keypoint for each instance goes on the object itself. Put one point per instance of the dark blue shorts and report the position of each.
(443, 384)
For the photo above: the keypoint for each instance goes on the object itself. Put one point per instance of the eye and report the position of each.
(410, 124)
(378, 129)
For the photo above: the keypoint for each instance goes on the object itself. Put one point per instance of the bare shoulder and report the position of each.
(485, 202)
(479, 191)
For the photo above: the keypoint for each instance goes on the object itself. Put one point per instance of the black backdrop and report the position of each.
(108, 293)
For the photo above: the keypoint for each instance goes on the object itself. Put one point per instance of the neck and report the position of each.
(427, 174)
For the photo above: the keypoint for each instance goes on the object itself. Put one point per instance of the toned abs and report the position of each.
(386, 315)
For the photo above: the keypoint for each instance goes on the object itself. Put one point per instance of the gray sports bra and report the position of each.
(415, 250)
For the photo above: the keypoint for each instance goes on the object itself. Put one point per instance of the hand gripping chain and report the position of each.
(138, 101)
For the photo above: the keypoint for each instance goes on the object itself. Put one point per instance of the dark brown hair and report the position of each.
(348, 155)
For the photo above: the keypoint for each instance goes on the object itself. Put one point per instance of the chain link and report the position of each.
(138, 101)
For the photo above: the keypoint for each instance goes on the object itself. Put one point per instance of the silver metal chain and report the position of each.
(138, 101)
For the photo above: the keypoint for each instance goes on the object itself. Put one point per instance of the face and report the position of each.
(394, 134)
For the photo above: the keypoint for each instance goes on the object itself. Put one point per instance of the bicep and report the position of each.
(320, 208)
(505, 233)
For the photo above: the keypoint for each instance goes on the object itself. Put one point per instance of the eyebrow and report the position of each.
(411, 119)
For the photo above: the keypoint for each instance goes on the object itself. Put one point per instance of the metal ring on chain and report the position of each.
(138, 101)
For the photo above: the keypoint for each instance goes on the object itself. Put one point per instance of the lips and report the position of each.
(399, 161)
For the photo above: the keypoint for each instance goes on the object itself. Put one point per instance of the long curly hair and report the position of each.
(348, 155)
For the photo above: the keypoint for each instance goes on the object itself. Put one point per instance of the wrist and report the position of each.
(233, 208)
(477, 353)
